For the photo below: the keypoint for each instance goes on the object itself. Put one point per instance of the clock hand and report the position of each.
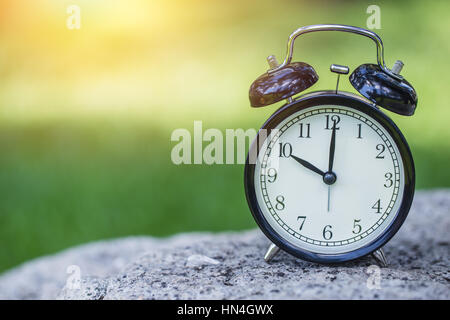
(330, 164)
(308, 165)
(332, 149)
(329, 191)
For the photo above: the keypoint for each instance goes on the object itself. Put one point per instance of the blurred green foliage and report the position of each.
(86, 116)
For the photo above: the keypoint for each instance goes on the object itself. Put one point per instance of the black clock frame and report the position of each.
(362, 105)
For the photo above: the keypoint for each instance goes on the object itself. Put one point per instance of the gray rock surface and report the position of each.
(230, 266)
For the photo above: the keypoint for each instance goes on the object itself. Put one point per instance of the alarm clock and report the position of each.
(330, 177)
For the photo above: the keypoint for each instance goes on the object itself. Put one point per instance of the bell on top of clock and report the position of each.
(281, 84)
(387, 88)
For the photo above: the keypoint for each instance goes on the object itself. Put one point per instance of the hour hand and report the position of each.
(308, 165)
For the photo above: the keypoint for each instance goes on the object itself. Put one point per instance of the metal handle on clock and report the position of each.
(342, 28)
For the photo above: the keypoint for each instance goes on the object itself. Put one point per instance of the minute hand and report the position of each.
(308, 165)
(332, 148)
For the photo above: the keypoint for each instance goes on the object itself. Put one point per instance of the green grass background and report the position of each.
(86, 116)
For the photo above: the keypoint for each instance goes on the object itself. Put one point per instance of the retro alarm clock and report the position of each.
(330, 177)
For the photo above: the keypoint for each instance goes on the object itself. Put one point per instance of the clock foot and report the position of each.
(271, 252)
(379, 256)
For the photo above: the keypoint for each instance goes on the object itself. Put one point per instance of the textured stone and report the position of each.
(230, 266)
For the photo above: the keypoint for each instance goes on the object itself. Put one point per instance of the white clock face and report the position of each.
(356, 201)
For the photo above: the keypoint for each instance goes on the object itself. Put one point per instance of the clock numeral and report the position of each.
(303, 218)
(285, 150)
(356, 226)
(380, 147)
(377, 206)
(359, 131)
(308, 130)
(389, 181)
(271, 174)
(280, 203)
(327, 234)
(335, 119)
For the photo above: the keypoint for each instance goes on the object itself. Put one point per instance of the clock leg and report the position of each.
(379, 256)
(271, 252)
